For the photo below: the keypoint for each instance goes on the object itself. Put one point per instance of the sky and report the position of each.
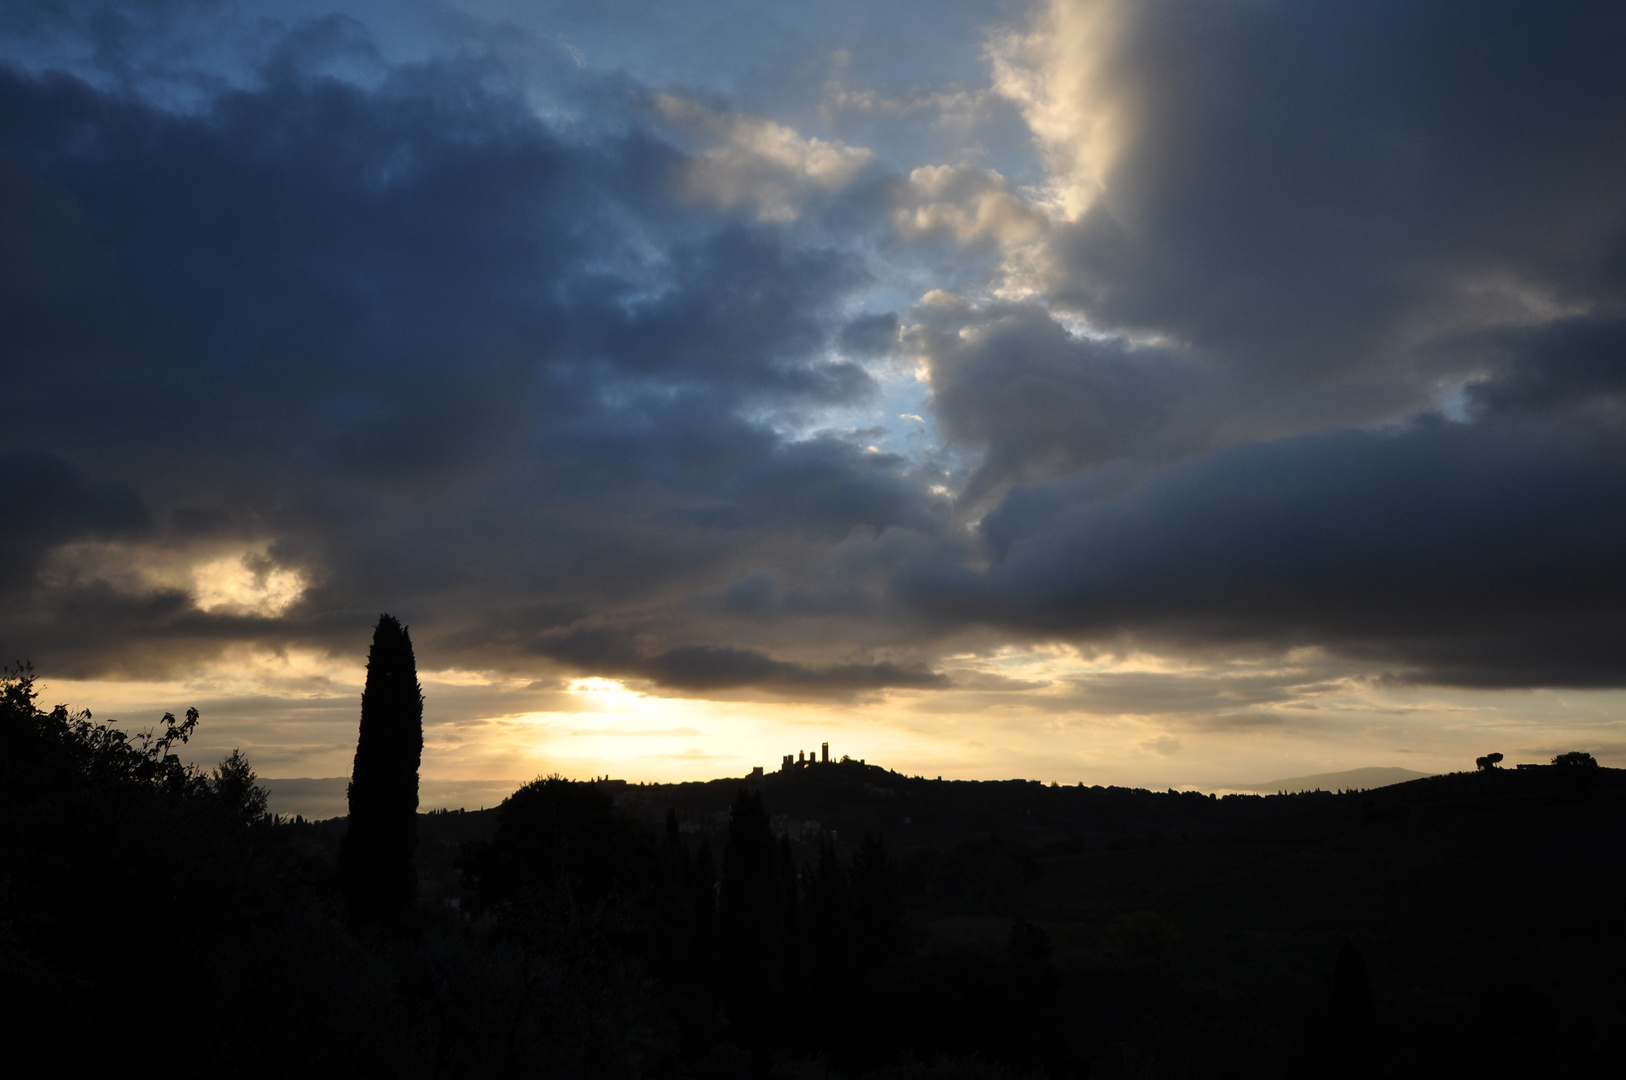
(1176, 393)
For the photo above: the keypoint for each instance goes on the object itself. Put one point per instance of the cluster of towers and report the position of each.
(802, 760)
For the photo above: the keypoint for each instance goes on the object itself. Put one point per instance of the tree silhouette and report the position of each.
(556, 831)
(1576, 758)
(1027, 944)
(1349, 1019)
(375, 858)
(1033, 992)
(750, 924)
(793, 964)
(1488, 762)
(234, 784)
(703, 899)
(878, 911)
(832, 951)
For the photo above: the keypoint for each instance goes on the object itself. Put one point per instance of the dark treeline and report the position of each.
(153, 917)
(916, 813)
(754, 958)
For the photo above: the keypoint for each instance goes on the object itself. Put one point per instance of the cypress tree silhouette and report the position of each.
(878, 913)
(703, 898)
(793, 972)
(832, 951)
(1343, 1036)
(375, 858)
(750, 925)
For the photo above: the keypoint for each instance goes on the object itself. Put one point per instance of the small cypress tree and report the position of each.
(793, 972)
(703, 898)
(750, 925)
(832, 948)
(878, 913)
(375, 859)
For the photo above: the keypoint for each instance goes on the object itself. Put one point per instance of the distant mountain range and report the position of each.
(1336, 781)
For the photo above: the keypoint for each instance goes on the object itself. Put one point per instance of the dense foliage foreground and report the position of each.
(152, 917)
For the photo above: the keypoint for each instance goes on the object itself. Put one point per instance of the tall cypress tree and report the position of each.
(375, 859)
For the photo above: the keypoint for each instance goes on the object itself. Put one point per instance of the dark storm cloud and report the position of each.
(453, 339)
(1038, 401)
(1319, 216)
(450, 358)
(826, 487)
(1551, 369)
(709, 667)
(1305, 185)
(53, 503)
(1477, 555)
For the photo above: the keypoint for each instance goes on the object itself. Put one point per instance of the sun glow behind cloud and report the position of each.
(241, 580)
(249, 583)
(599, 726)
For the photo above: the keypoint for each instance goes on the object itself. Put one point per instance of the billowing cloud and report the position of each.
(1063, 72)
(1440, 552)
(1316, 190)
(1036, 401)
(969, 205)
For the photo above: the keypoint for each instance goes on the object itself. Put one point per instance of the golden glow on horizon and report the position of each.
(1049, 712)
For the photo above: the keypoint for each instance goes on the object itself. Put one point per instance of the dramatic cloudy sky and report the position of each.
(1165, 392)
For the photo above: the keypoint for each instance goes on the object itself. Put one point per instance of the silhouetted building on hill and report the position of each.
(806, 758)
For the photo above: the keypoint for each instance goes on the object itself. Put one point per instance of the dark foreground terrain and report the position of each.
(153, 919)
